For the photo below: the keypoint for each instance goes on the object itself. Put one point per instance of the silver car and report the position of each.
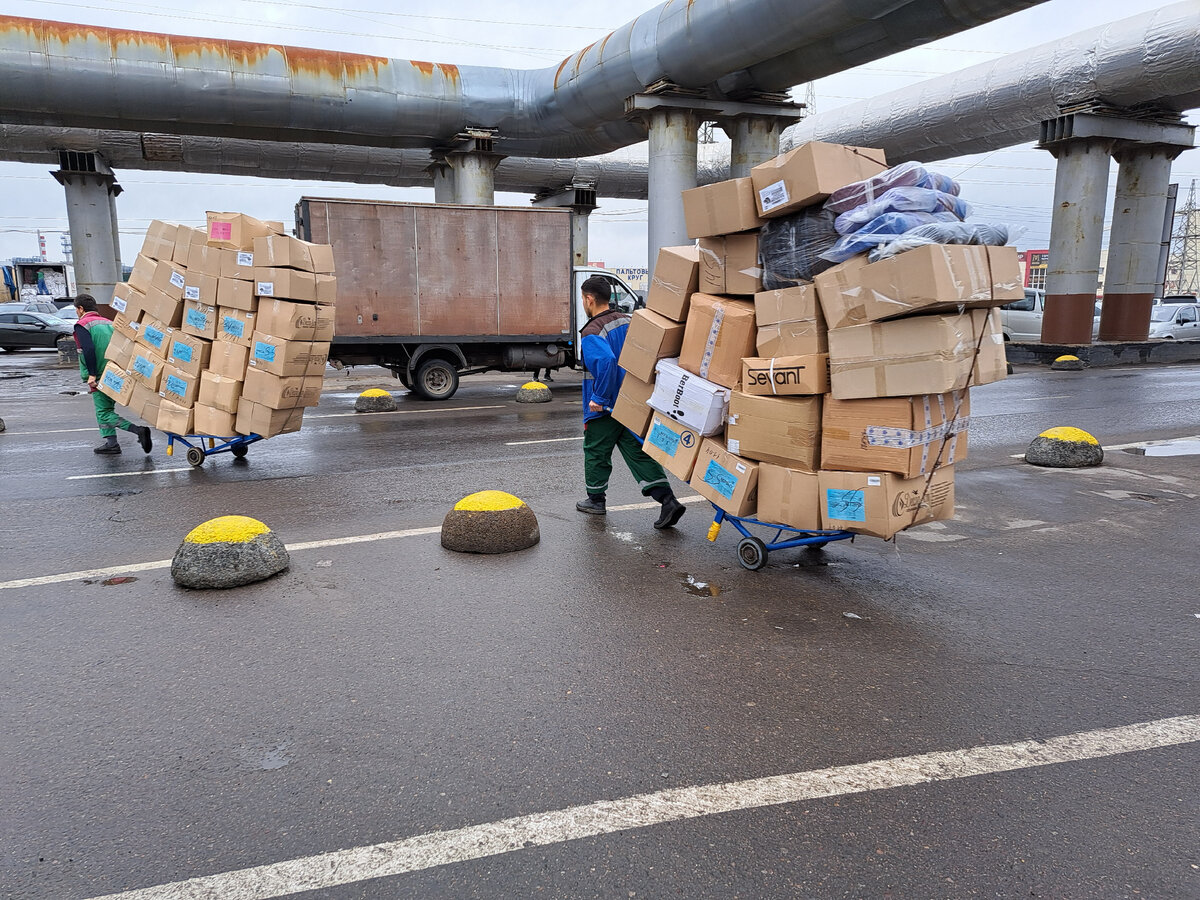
(1021, 320)
(1175, 322)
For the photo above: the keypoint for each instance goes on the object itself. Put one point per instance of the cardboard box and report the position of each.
(169, 278)
(631, 408)
(234, 293)
(237, 264)
(142, 275)
(128, 325)
(327, 289)
(214, 422)
(235, 326)
(933, 278)
(203, 260)
(200, 288)
(185, 237)
(127, 300)
(305, 321)
(883, 504)
(651, 337)
(786, 376)
(236, 231)
(720, 334)
(162, 308)
(676, 275)
(287, 284)
(809, 174)
(160, 240)
(790, 322)
(254, 418)
(690, 399)
(788, 497)
(120, 349)
(178, 386)
(155, 335)
(228, 360)
(781, 430)
(722, 208)
(146, 367)
(278, 392)
(116, 383)
(907, 436)
(729, 264)
(174, 418)
(200, 320)
(673, 444)
(144, 404)
(188, 352)
(280, 357)
(283, 251)
(725, 479)
(219, 392)
(916, 355)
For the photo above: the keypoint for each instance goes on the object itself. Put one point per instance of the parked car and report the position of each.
(1175, 321)
(38, 306)
(1021, 320)
(31, 330)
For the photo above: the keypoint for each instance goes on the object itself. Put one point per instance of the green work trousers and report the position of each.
(106, 415)
(600, 436)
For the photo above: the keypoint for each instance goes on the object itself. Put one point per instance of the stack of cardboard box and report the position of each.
(837, 405)
(224, 330)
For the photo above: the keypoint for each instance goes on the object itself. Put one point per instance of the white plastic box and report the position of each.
(689, 399)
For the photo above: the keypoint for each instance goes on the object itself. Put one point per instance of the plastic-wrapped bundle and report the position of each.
(790, 247)
(909, 174)
(883, 230)
(944, 233)
(901, 199)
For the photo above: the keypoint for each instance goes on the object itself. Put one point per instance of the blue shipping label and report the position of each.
(176, 385)
(197, 319)
(720, 479)
(181, 351)
(233, 326)
(264, 351)
(848, 506)
(114, 381)
(143, 366)
(664, 439)
(154, 337)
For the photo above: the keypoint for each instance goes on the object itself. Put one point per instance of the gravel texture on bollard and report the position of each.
(1068, 364)
(1065, 448)
(534, 392)
(375, 400)
(228, 552)
(490, 522)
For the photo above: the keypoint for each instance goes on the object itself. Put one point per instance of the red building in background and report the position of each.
(1033, 264)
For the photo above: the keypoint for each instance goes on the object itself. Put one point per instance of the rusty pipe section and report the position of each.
(1148, 59)
(80, 76)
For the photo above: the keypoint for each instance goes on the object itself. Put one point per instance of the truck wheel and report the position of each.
(436, 380)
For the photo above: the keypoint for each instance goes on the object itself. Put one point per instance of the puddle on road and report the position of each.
(1168, 448)
(260, 756)
(699, 588)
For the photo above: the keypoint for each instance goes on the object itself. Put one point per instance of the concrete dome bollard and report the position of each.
(1065, 448)
(490, 522)
(227, 552)
(533, 392)
(375, 400)
(1068, 363)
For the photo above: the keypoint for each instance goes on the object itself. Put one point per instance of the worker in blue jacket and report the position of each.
(601, 341)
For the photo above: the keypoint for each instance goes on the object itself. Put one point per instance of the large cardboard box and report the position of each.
(127, 300)
(116, 383)
(786, 376)
(185, 237)
(631, 408)
(200, 320)
(281, 393)
(781, 430)
(203, 260)
(287, 284)
(725, 479)
(128, 325)
(236, 231)
(160, 240)
(142, 274)
(235, 326)
(200, 288)
(228, 359)
(214, 422)
(219, 392)
(178, 386)
(170, 278)
(729, 264)
(120, 349)
(790, 322)
(254, 418)
(915, 355)
(788, 497)
(690, 399)
(883, 504)
(809, 174)
(720, 334)
(155, 335)
(237, 264)
(287, 252)
(651, 337)
(188, 352)
(146, 367)
(162, 308)
(174, 418)
(908, 436)
(722, 208)
(304, 321)
(144, 404)
(933, 278)
(235, 293)
(279, 357)
(676, 275)
(673, 444)
(327, 290)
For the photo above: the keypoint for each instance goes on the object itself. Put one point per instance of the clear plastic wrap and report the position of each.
(790, 247)
(909, 174)
(882, 230)
(991, 235)
(901, 199)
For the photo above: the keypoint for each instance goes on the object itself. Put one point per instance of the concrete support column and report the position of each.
(1076, 230)
(92, 219)
(580, 198)
(1135, 241)
(754, 140)
(443, 181)
(672, 171)
(579, 235)
(474, 175)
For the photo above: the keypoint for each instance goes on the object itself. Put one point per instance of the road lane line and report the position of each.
(440, 848)
(55, 431)
(405, 412)
(127, 474)
(545, 441)
(695, 498)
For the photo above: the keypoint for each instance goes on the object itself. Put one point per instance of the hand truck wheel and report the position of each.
(239, 451)
(195, 456)
(752, 553)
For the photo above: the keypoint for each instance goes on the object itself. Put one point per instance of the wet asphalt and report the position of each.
(381, 690)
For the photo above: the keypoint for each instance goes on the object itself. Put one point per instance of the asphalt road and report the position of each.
(387, 690)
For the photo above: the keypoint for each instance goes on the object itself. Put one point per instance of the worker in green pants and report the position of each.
(92, 334)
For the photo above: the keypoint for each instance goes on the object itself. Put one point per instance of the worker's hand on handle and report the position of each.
(91, 383)
(594, 406)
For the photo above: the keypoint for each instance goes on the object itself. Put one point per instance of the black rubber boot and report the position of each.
(672, 512)
(145, 438)
(593, 505)
(110, 447)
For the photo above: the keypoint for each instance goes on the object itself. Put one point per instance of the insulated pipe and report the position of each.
(673, 149)
(753, 140)
(1076, 229)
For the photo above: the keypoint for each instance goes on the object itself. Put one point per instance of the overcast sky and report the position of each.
(1013, 185)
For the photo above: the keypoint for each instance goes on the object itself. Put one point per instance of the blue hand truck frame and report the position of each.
(752, 551)
(238, 445)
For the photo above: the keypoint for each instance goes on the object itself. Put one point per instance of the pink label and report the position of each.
(220, 231)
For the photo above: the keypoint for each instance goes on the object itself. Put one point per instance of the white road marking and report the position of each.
(54, 431)
(1051, 397)
(440, 848)
(546, 441)
(695, 498)
(404, 412)
(127, 474)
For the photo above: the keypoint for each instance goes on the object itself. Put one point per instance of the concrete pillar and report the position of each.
(579, 235)
(754, 140)
(580, 198)
(672, 170)
(1076, 229)
(443, 181)
(95, 242)
(474, 173)
(1135, 241)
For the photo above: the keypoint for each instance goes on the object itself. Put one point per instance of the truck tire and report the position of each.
(436, 380)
